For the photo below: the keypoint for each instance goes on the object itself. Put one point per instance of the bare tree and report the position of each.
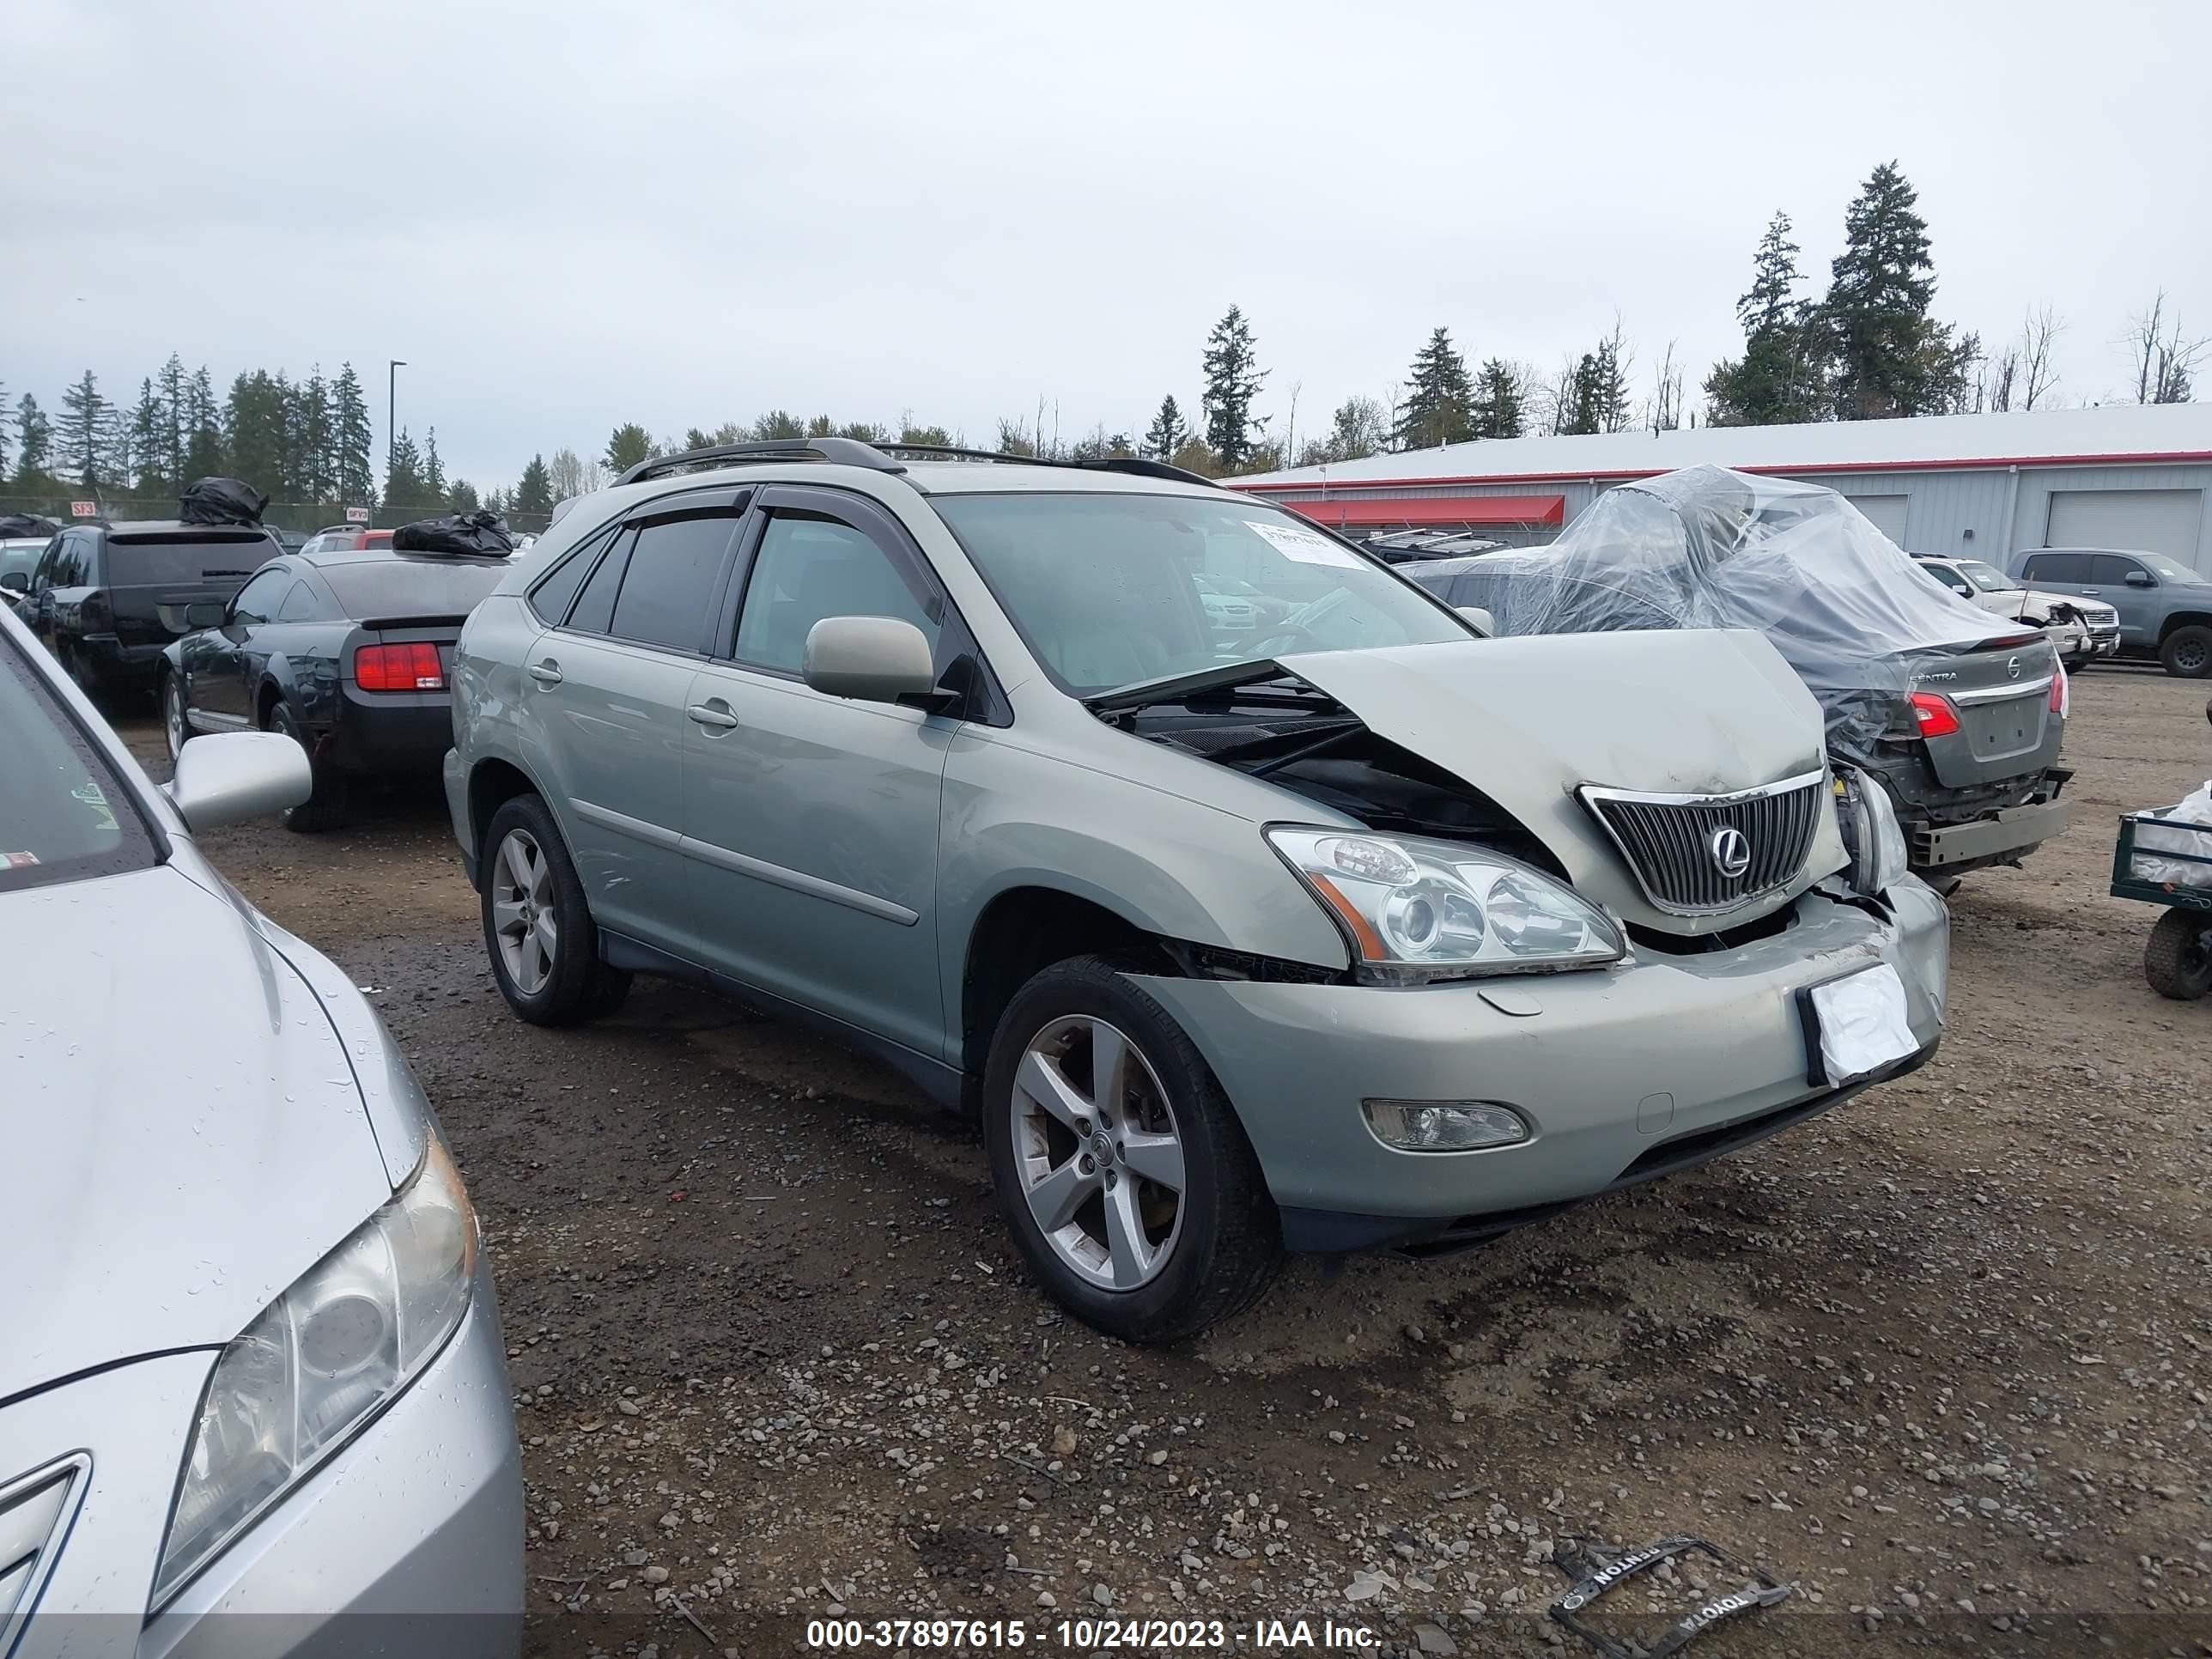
(1994, 388)
(1665, 408)
(2165, 361)
(570, 474)
(2038, 335)
(1616, 362)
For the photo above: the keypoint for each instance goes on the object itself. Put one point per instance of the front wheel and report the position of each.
(538, 928)
(2177, 960)
(2186, 652)
(1118, 1160)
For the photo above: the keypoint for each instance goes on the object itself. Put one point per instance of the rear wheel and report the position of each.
(1118, 1160)
(2186, 652)
(2177, 960)
(175, 726)
(327, 803)
(538, 928)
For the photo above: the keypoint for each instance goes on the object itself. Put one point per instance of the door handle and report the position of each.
(2091, 592)
(714, 714)
(546, 673)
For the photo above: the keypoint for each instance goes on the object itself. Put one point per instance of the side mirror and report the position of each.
(208, 613)
(2139, 579)
(18, 581)
(869, 659)
(1962, 590)
(1484, 623)
(236, 775)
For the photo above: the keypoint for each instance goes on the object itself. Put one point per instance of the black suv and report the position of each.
(106, 598)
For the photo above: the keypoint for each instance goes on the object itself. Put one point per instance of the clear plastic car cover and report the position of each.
(1708, 548)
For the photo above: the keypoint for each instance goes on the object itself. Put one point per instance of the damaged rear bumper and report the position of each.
(2001, 838)
(1623, 1076)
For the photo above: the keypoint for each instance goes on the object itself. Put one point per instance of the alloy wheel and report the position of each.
(172, 715)
(1098, 1153)
(523, 912)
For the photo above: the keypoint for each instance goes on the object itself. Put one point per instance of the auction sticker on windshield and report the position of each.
(1306, 546)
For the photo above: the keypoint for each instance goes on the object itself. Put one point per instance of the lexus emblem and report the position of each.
(1730, 851)
(2012, 668)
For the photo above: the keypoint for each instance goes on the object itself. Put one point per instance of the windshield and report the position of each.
(2172, 570)
(1987, 577)
(1109, 590)
(63, 815)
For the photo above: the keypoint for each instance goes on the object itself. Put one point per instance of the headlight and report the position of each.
(1870, 831)
(322, 1359)
(1418, 911)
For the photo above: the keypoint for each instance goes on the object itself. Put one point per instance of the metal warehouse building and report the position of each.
(2126, 475)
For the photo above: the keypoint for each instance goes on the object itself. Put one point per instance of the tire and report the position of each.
(1222, 1244)
(328, 803)
(2177, 959)
(2186, 652)
(1944, 886)
(576, 985)
(175, 726)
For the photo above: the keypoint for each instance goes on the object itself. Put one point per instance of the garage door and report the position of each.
(1888, 513)
(2150, 521)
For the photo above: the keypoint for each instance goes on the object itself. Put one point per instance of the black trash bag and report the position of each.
(221, 500)
(14, 526)
(483, 533)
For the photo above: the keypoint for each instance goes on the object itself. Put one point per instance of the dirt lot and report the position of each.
(1940, 1358)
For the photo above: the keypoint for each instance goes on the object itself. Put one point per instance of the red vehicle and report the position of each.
(346, 538)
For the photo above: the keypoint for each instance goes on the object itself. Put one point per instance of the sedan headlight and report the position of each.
(322, 1359)
(1418, 911)
(1870, 832)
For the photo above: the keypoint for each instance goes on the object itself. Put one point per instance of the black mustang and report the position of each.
(346, 651)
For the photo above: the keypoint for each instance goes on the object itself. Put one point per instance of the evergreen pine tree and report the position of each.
(316, 442)
(1585, 394)
(255, 442)
(149, 443)
(631, 443)
(1168, 432)
(88, 433)
(1892, 358)
(173, 393)
(1781, 376)
(433, 473)
(403, 477)
(1232, 380)
(34, 445)
(533, 492)
(1498, 409)
(779, 424)
(461, 496)
(1438, 406)
(353, 470)
(202, 424)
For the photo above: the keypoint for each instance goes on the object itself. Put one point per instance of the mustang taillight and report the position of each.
(2061, 694)
(398, 668)
(1932, 711)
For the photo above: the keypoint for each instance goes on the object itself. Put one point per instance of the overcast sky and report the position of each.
(565, 215)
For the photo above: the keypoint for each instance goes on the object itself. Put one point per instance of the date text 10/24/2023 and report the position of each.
(1106, 1633)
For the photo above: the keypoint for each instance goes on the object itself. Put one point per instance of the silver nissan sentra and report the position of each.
(1343, 926)
(252, 1396)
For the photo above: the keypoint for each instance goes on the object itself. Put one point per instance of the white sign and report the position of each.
(84, 509)
(1306, 546)
(356, 515)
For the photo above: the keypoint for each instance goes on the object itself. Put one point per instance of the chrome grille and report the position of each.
(33, 1509)
(1675, 843)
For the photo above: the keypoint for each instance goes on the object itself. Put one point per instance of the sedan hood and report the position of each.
(185, 1131)
(1528, 720)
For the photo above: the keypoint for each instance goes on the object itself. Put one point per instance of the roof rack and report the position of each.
(845, 452)
(878, 457)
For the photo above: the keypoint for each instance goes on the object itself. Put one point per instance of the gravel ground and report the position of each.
(1940, 1358)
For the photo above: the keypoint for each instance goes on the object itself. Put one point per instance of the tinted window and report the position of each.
(808, 568)
(2110, 569)
(388, 589)
(2056, 567)
(298, 604)
(551, 598)
(672, 572)
(184, 559)
(595, 606)
(69, 561)
(258, 600)
(63, 815)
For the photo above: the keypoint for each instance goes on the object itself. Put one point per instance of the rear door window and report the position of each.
(551, 598)
(2056, 567)
(595, 606)
(673, 572)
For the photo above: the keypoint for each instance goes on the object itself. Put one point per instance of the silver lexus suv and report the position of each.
(1342, 929)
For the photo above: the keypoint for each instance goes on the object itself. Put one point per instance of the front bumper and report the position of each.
(1622, 1074)
(408, 1540)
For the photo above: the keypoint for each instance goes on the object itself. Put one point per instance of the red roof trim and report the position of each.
(1366, 510)
(2152, 458)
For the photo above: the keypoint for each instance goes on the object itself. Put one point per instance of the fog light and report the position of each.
(1443, 1126)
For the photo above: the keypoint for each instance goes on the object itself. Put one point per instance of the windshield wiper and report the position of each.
(1205, 681)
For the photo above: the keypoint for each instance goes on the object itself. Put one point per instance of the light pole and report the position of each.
(391, 415)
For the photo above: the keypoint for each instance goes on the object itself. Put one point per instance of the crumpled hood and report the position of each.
(185, 1134)
(1528, 720)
